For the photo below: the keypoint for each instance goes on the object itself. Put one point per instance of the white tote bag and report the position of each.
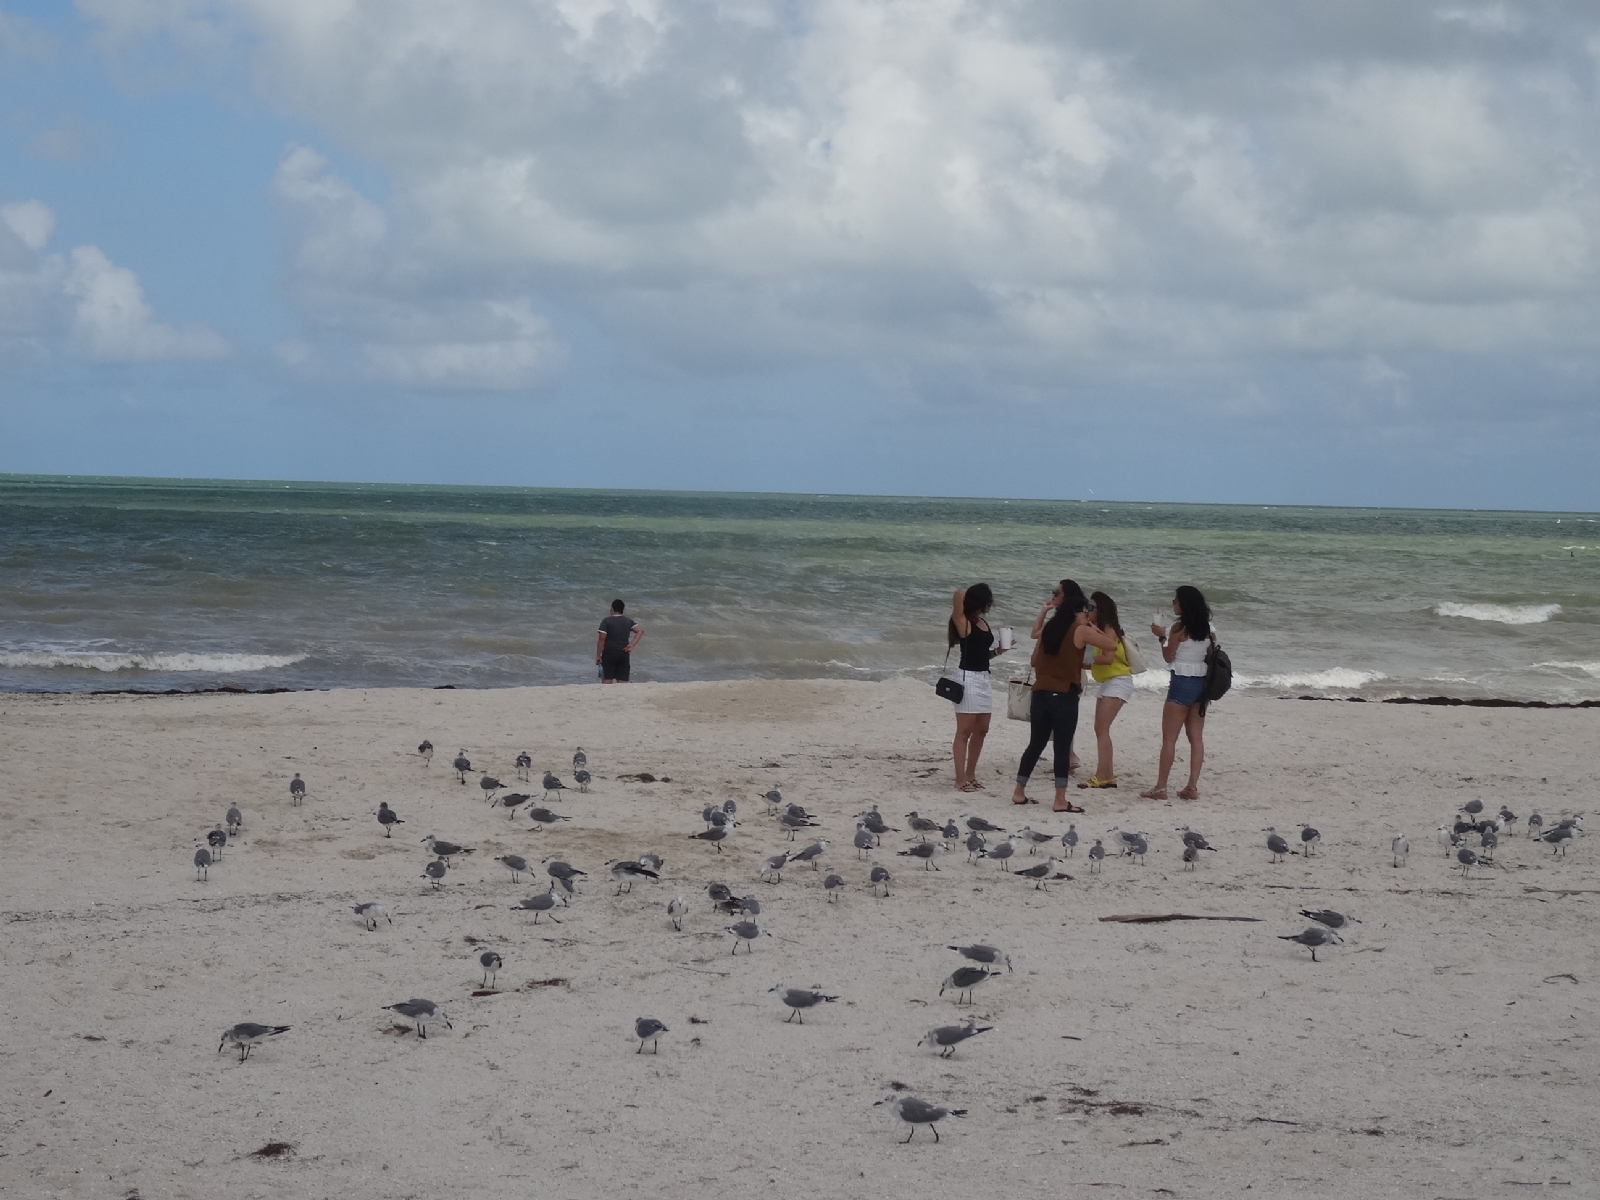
(1136, 662)
(1019, 698)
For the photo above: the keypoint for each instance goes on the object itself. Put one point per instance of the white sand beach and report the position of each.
(1446, 1049)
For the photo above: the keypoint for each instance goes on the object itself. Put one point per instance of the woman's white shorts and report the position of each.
(1118, 687)
(979, 694)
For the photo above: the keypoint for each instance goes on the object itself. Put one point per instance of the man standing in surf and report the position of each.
(614, 646)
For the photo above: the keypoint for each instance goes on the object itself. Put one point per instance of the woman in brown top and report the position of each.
(1058, 673)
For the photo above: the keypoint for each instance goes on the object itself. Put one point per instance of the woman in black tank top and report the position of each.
(969, 629)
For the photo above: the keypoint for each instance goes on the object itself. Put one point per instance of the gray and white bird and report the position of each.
(462, 765)
(773, 865)
(1069, 840)
(730, 807)
(625, 871)
(676, 907)
(515, 863)
(247, 1035)
(653, 861)
(552, 784)
(833, 885)
(1328, 917)
(951, 831)
(1559, 838)
(425, 749)
(1035, 839)
(235, 820)
(790, 823)
(1468, 860)
(539, 902)
(421, 1013)
(1040, 872)
(297, 789)
(1276, 843)
(524, 765)
(648, 1029)
(442, 849)
(1445, 838)
(1487, 841)
(721, 894)
(979, 825)
(491, 964)
(746, 932)
(773, 798)
(1535, 824)
(1097, 853)
(1399, 848)
(202, 864)
(975, 846)
(1190, 854)
(1311, 937)
(714, 835)
(512, 801)
(922, 826)
(916, 1112)
(563, 873)
(1473, 806)
(490, 785)
(926, 851)
(583, 779)
(1509, 817)
(1137, 847)
(948, 1037)
(799, 999)
(579, 758)
(864, 841)
(749, 906)
(811, 854)
(1124, 838)
(880, 878)
(388, 818)
(216, 840)
(1193, 837)
(978, 952)
(874, 822)
(435, 871)
(541, 815)
(964, 979)
(371, 913)
(1309, 838)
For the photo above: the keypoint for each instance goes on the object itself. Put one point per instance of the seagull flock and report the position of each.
(930, 840)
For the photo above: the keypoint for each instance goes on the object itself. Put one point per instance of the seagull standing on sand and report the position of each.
(1034, 840)
(773, 799)
(217, 839)
(490, 786)
(773, 865)
(247, 1035)
(964, 980)
(579, 759)
(811, 853)
(1069, 839)
(916, 1112)
(832, 884)
(1040, 872)
(1309, 838)
(922, 826)
(1276, 843)
(864, 841)
(648, 1029)
(524, 765)
(491, 964)
(1328, 917)
(441, 849)
(1002, 852)
(880, 877)
(425, 748)
(1097, 853)
(202, 864)
(563, 873)
(1400, 848)
(926, 851)
(435, 871)
(583, 779)
(512, 801)
(979, 825)
(539, 902)
(980, 953)
(975, 846)
(625, 871)
(714, 835)
(1312, 937)
(541, 815)
(387, 818)
(371, 912)
(746, 932)
(552, 784)
(462, 765)
(676, 907)
(421, 1013)
(948, 1037)
(297, 789)
(799, 999)
(235, 820)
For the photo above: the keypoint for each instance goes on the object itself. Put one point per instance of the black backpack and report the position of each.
(1219, 673)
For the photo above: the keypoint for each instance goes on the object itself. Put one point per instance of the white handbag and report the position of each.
(1019, 698)
(1136, 662)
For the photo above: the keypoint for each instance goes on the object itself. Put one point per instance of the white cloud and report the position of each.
(81, 301)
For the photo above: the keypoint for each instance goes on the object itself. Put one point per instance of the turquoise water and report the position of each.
(121, 583)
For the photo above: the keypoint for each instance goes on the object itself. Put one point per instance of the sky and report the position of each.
(1180, 250)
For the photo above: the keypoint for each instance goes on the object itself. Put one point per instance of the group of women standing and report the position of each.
(1073, 631)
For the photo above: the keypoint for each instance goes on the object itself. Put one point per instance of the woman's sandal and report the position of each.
(1094, 781)
(1189, 793)
(1069, 807)
(1154, 794)
(1024, 800)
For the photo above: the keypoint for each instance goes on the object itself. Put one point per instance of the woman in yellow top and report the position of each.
(1115, 677)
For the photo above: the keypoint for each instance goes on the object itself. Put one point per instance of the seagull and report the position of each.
(235, 820)
(948, 1037)
(790, 823)
(1535, 823)
(1096, 853)
(922, 826)
(524, 765)
(720, 893)
(831, 884)
(1190, 853)
(1312, 937)
(421, 1013)
(773, 799)
(297, 789)
(435, 871)
(552, 784)
(462, 765)
(916, 1112)
(799, 999)
(773, 865)
(1328, 917)
(1276, 843)
(1467, 859)
(749, 906)
(444, 850)
(1002, 852)
(951, 831)
(811, 853)
(515, 862)
(1069, 839)
(1506, 815)
(979, 825)
(387, 818)
(539, 902)
(1445, 838)
(625, 871)
(1138, 847)
(964, 979)
(980, 953)
(1487, 842)
(798, 810)
(491, 964)
(217, 839)
(1309, 838)
(371, 911)
(1197, 840)
(714, 835)
(425, 748)
(648, 1029)
(926, 851)
(543, 816)
(864, 842)
(490, 785)
(654, 861)
(512, 801)
(730, 807)
(974, 845)
(1034, 840)
(247, 1035)
(676, 907)
(880, 875)
(1559, 839)
(746, 932)
(1473, 806)
(561, 872)
(1127, 839)
(583, 778)
(579, 758)
(1400, 848)
(874, 822)
(202, 862)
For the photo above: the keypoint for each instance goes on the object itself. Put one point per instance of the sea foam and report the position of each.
(116, 660)
(1505, 614)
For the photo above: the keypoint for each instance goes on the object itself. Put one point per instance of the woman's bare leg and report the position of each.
(1105, 711)
(1194, 725)
(980, 730)
(958, 748)
(1173, 717)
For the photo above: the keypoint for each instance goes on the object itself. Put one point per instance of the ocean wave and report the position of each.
(1588, 668)
(1338, 679)
(116, 660)
(1505, 614)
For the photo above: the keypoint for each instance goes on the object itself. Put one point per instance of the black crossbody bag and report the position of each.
(952, 690)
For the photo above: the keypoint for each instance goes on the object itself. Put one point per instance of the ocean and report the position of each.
(152, 584)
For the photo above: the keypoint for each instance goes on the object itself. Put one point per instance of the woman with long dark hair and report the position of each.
(1184, 645)
(969, 629)
(1058, 683)
(1112, 672)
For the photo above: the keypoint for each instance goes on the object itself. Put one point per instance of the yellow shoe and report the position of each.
(1094, 781)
